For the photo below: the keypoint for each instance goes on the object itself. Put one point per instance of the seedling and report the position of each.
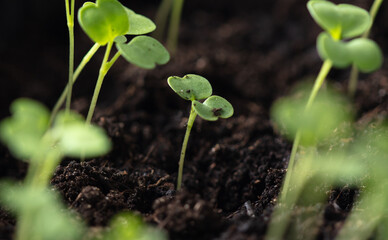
(130, 226)
(70, 26)
(194, 88)
(28, 136)
(313, 126)
(107, 22)
(40, 213)
(339, 22)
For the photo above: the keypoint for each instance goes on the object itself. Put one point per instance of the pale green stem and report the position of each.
(353, 79)
(105, 66)
(77, 72)
(161, 19)
(172, 38)
(70, 25)
(190, 123)
(325, 69)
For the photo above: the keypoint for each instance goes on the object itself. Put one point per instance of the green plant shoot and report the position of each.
(70, 26)
(194, 88)
(28, 136)
(107, 22)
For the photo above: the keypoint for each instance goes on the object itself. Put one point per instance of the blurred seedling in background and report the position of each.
(128, 226)
(172, 9)
(313, 125)
(194, 88)
(107, 22)
(40, 213)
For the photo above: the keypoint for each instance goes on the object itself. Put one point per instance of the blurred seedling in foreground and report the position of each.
(28, 136)
(314, 125)
(194, 88)
(107, 22)
(128, 226)
(40, 214)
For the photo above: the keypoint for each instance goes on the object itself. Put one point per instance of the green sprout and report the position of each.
(28, 136)
(173, 7)
(70, 26)
(194, 88)
(107, 22)
(314, 126)
(128, 226)
(339, 22)
(40, 213)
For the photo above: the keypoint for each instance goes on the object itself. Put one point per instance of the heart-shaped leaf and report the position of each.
(144, 51)
(365, 54)
(139, 24)
(191, 87)
(213, 108)
(103, 21)
(341, 21)
(336, 51)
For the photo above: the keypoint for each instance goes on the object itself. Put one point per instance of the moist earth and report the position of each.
(252, 52)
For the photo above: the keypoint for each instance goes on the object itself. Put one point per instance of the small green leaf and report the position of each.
(213, 108)
(23, 131)
(139, 24)
(80, 139)
(120, 39)
(336, 51)
(129, 226)
(64, 118)
(191, 87)
(315, 124)
(144, 52)
(365, 54)
(341, 21)
(103, 21)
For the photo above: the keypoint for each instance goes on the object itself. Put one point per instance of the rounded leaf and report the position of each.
(139, 24)
(365, 54)
(341, 21)
(335, 51)
(213, 108)
(144, 52)
(103, 21)
(191, 87)
(80, 139)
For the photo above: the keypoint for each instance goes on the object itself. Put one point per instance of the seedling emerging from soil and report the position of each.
(107, 22)
(28, 136)
(129, 226)
(194, 88)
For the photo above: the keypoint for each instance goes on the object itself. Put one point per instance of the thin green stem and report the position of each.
(325, 69)
(172, 39)
(77, 72)
(105, 66)
(190, 123)
(353, 79)
(161, 19)
(70, 25)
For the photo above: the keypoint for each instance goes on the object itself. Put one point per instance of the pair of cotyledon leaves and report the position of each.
(27, 133)
(108, 20)
(345, 21)
(194, 87)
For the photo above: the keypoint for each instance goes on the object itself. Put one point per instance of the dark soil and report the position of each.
(252, 52)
